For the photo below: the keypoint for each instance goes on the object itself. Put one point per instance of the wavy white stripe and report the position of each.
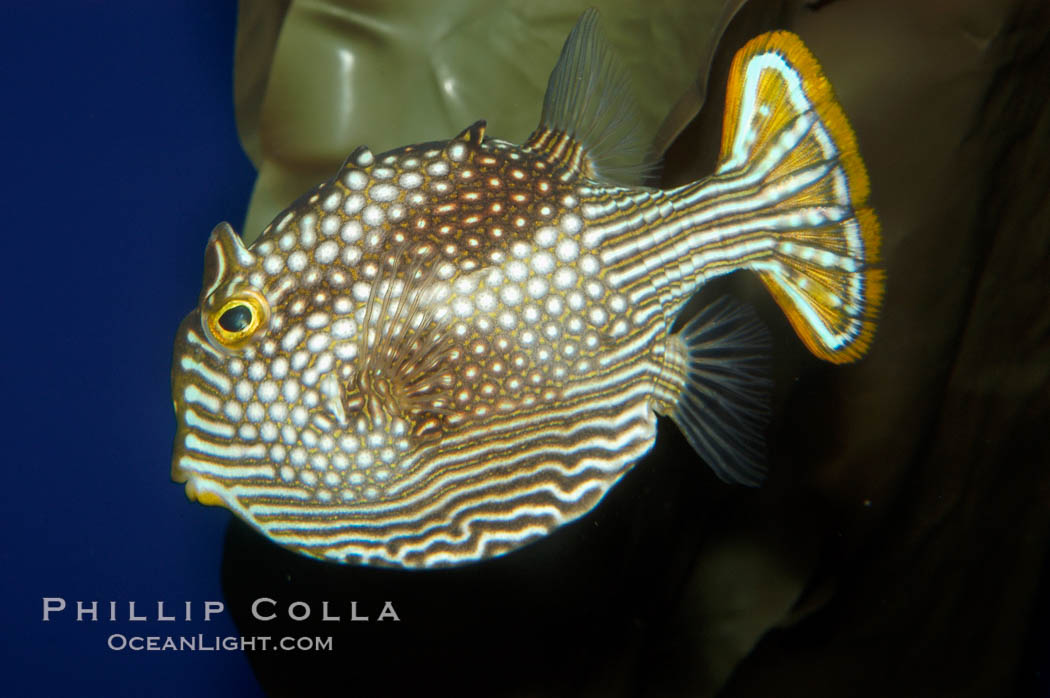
(225, 471)
(219, 381)
(450, 483)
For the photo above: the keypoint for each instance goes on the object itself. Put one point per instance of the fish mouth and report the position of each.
(208, 497)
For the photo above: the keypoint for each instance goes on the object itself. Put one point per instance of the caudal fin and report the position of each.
(785, 132)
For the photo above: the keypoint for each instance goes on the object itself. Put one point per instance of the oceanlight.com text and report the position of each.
(119, 642)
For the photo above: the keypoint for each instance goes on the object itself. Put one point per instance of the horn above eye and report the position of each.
(224, 257)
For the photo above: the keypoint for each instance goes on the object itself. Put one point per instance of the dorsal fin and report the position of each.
(591, 124)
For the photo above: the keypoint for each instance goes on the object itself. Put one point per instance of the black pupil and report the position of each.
(236, 318)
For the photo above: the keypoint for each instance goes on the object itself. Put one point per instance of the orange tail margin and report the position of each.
(784, 125)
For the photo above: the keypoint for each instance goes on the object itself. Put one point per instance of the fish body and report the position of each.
(448, 350)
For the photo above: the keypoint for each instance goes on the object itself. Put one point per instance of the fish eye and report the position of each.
(236, 317)
(240, 319)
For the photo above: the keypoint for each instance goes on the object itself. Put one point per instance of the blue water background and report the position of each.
(120, 153)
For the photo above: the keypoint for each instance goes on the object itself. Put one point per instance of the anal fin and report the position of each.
(721, 358)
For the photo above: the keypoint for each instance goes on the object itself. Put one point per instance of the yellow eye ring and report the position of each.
(240, 319)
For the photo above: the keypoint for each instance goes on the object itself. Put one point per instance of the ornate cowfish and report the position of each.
(451, 349)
